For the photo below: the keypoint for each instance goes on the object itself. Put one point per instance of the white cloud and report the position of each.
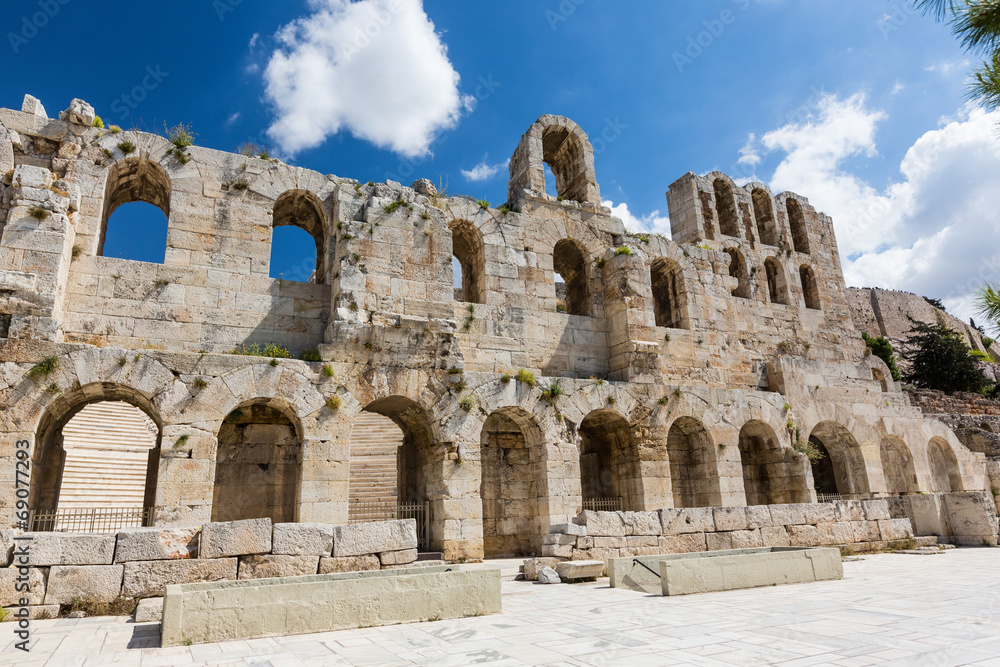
(484, 172)
(750, 153)
(653, 223)
(376, 68)
(935, 230)
(947, 66)
(233, 118)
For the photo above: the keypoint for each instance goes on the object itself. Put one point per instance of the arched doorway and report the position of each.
(772, 474)
(694, 471)
(897, 466)
(609, 475)
(945, 475)
(840, 469)
(514, 484)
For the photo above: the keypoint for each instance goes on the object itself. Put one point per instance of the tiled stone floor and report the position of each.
(890, 609)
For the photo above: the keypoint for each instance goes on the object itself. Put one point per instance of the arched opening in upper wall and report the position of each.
(738, 270)
(290, 258)
(763, 213)
(569, 264)
(136, 212)
(797, 226)
(469, 254)
(810, 288)
(725, 208)
(565, 155)
(560, 144)
(670, 304)
(777, 284)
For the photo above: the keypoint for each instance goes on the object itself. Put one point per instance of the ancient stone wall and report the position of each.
(667, 355)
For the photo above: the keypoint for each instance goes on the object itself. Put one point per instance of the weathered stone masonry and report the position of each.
(690, 371)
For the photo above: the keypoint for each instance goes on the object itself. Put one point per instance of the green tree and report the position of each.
(977, 24)
(988, 303)
(882, 348)
(939, 359)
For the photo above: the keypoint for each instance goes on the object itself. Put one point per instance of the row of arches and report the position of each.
(768, 229)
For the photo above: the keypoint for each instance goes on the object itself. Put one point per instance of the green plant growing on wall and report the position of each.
(126, 147)
(328, 371)
(181, 441)
(53, 389)
(882, 348)
(257, 350)
(525, 376)
(310, 355)
(200, 383)
(471, 317)
(505, 378)
(467, 403)
(624, 250)
(552, 393)
(38, 213)
(44, 368)
(483, 204)
(333, 403)
(114, 129)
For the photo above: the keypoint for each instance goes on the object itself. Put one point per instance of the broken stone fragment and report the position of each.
(424, 187)
(548, 576)
(79, 112)
(33, 106)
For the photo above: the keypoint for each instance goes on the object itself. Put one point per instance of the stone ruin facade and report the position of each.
(688, 372)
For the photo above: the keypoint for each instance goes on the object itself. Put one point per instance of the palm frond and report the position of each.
(988, 303)
(985, 87)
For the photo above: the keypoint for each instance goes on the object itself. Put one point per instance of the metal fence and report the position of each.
(364, 512)
(90, 520)
(603, 504)
(831, 497)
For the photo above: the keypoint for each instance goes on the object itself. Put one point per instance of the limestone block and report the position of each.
(533, 565)
(687, 520)
(866, 531)
(803, 536)
(819, 513)
(548, 576)
(42, 611)
(11, 578)
(642, 523)
(684, 543)
(585, 543)
(149, 610)
(580, 569)
(775, 536)
(972, 518)
(69, 549)
(329, 565)
(146, 579)
(638, 541)
(265, 566)
(925, 512)
(302, 539)
(557, 551)
(835, 532)
(235, 538)
(895, 529)
(747, 539)
(758, 516)
(6, 547)
(788, 515)
(79, 112)
(609, 542)
(730, 518)
(100, 582)
(602, 524)
(848, 510)
(156, 544)
(371, 538)
(33, 106)
(561, 539)
(416, 565)
(401, 557)
(568, 529)
(876, 510)
(719, 541)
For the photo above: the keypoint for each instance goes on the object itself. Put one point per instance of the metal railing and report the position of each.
(368, 511)
(831, 497)
(90, 520)
(603, 504)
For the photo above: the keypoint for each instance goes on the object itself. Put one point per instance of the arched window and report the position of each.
(797, 223)
(763, 212)
(563, 152)
(810, 289)
(669, 297)
(609, 461)
(738, 270)
(568, 263)
(694, 471)
(725, 208)
(777, 286)
(136, 210)
(469, 251)
(302, 209)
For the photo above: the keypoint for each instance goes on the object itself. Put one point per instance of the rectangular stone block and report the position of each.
(721, 571)
(758, 516)
(146, 579)
(775, 536)
(568, 529)
(848, 510)
(719, 541)
(264, 566)
(819, 513)
(803, 536)
(149, 610)
(602, 524)
(401, 557)
(835, 532)
(235, 538)
(792, 514)
(972, 518)
(329, 565)
(561, 539)
(730, 518)
(11, 579)
(580, 569)
(895, 529)
(100, 582)
(371, 538)
(156, 544)
(687, 520)
(876, 510)
(302, 539)
(684, 543)
(747, 539)
(609, 542)
(642, 523)
(69, 549)
(866, 531)
(557, 551)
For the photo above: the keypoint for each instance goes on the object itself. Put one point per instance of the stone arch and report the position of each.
(763, 212)
(841, 469)
(564, 146)
(694, 471)
(49, 455)
(470, 251)
(134, 179)
(725, 208)
(258, 462)
(897, 466)
(945, 475)
(303, 209)
(738, 270)
(810, 288)
(514, 485)
(772, 473)
(670, 300)
(797, 226)
(777, 283)
(609, 466)
(569, 261)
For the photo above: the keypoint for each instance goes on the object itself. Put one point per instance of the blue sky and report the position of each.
(856, 104)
